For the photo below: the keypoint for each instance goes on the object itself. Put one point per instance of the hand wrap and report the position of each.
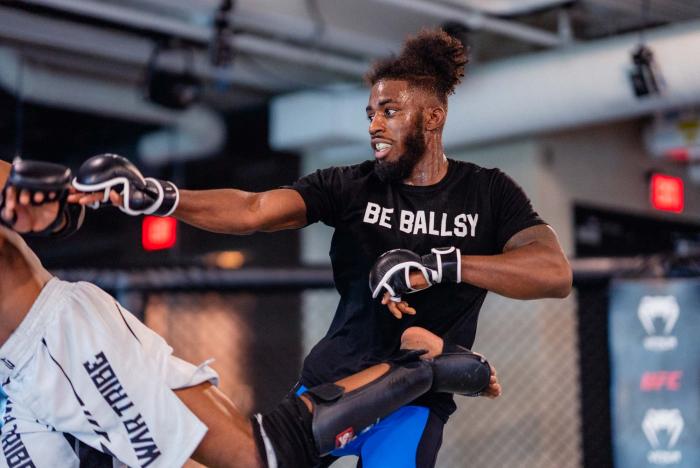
(142, 195)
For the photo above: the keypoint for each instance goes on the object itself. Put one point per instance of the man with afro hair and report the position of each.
(411, 220)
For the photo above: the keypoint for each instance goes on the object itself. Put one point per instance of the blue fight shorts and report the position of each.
(410, 437)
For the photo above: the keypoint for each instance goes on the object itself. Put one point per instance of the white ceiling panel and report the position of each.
(283, 45)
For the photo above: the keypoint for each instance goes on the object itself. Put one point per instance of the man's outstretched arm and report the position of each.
(231, 211)
(227, 211)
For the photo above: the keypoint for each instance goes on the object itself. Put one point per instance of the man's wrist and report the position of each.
(63, 223)
(444, 264)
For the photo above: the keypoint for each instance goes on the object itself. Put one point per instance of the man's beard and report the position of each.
(403, 166)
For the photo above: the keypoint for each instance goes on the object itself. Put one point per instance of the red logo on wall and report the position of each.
(661, 380)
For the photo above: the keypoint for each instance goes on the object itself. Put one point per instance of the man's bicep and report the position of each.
(281, 209)
(541, 233)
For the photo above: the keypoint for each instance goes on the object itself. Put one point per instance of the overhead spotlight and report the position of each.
(220, 50)
(172, 89)
(645, 75)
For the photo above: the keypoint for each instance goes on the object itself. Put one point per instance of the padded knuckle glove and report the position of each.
(53, 181)
(141, 195)
(391, 272)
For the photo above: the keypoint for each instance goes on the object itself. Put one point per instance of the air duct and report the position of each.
(189, 134)
(583, 84)
(509, 7)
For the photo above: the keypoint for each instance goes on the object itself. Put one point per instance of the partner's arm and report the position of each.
(4, 172)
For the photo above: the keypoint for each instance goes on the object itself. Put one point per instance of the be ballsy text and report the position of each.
(423, 222)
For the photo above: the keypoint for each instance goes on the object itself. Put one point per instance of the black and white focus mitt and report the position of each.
(53, 182)
(141, 195)
(391, 272)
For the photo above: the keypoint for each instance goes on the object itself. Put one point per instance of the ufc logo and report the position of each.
(661, 380)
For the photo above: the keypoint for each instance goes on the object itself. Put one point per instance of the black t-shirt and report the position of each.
(474, 209)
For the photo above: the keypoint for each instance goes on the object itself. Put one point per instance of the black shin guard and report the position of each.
(461, 371)
(283, 436)
(289, 436)
(340, 416)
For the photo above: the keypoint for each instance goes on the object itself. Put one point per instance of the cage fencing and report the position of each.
(551, 355)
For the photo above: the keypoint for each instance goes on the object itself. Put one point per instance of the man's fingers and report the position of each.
(406, 309)
(95, 197)
(417, 279)
(397, 309)
(87, 198)
(9, 204)
(394, 309)
(494, 391)
(21, 219)
(115, 198)
(38, 197)
(78, 197)
(24, 197)
(11, 200)
(391, 305)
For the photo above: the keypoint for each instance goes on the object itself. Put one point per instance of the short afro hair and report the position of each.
(432, 60)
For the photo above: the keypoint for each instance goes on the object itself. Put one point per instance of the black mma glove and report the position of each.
(142, 195)
(391, 271)
(53, 180)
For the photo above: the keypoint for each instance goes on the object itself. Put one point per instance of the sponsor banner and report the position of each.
(655, 373)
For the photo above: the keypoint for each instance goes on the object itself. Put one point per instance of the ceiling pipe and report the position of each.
(480, 22)
(300, 56)
(154, 24)
(509, 7)
(304, 31)
(587, 83)
(564, 27)
(282, 27)
(191, 134)
(43, 33)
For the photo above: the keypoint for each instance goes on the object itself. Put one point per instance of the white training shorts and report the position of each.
(80, 364)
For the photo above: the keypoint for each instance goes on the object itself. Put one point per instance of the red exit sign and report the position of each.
(666, 193)
(158, 233)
